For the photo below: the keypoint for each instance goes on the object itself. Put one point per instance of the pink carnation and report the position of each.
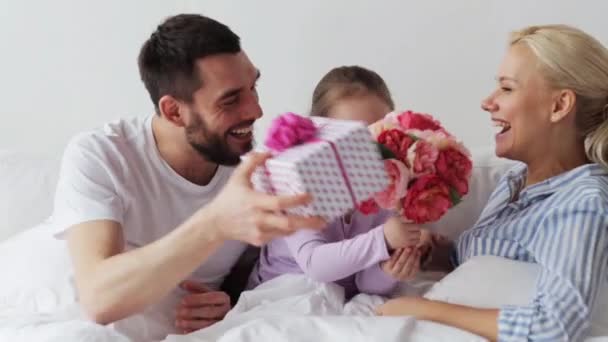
(427, 200)
(383, 125)
(422, 157)
(412, 120)
(397, 142)
(399, 179)
(440, 139)
(455, 168)
(392, 118)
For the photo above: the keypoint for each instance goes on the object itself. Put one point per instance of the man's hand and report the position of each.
(241, 213)
(201, 307)
(404, 264)
(399, 234)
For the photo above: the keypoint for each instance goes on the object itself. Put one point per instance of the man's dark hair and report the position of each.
(167, 60)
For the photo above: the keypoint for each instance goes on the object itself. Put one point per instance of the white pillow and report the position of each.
(491, 282)
(37, 273)
(28, 183)
(487, 171)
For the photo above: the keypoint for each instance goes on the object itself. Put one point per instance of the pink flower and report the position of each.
(392, 118)
(434, 137)
(368, 207)
(427, 200)
(411, 120)
(399, 179)
(440, 139)
(289, 130)
(396, 141)
(383, 125)
(454, 167)
(422, 157)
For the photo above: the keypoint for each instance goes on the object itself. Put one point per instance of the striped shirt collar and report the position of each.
(516, 179)
(509, 193)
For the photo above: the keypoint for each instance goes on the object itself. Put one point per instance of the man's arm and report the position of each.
(113, 284)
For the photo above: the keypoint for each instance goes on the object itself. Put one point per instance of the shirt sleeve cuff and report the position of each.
(380, 243)
(61, 225)
(514, 323)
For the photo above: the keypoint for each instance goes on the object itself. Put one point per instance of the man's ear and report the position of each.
(563, 105)
(171, 109)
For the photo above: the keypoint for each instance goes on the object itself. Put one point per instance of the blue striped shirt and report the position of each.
(560, 224)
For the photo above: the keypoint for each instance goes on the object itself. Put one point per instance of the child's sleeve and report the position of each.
(373, 280)
(324, 260)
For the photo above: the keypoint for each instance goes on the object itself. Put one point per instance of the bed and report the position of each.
(37, 301)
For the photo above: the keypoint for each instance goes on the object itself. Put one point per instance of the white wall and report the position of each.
(68, 65)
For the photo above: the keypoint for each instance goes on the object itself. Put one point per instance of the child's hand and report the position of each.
(399, 234)
(404, 264)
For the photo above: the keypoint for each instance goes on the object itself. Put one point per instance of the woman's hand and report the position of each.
(417, 307)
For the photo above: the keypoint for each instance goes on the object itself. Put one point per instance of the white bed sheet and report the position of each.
(289, 308)
(295, 308)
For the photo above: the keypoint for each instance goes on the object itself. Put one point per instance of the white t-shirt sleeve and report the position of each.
(86, 189)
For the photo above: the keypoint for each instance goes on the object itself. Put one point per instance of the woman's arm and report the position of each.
(483, 322)
(573, 255)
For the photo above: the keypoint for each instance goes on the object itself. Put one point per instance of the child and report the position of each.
(362, 253)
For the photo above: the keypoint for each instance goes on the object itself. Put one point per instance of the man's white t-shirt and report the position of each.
(116, 173)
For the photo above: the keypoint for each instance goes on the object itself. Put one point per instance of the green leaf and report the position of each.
(415, 138)
(455, 196)
(385, 152)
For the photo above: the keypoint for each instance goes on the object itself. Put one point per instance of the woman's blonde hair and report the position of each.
(346, 81)
(572, 59)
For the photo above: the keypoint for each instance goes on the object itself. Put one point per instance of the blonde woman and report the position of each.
(551, 108)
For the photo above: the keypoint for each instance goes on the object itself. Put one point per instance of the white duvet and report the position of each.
(294, 308)
(37, 304)
(290, 308)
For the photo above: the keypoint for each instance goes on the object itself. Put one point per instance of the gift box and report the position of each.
(335, 161)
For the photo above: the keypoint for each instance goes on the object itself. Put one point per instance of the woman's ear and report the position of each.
(563, 105)
(171, 109)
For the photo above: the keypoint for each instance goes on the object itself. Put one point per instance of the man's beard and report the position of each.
(212, 146)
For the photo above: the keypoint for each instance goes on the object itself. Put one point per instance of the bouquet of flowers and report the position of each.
(429, 168)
